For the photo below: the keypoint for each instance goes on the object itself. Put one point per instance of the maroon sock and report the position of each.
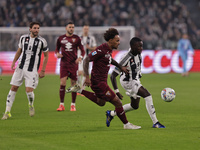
(73, 97)
(90, 96)
(62, 93)
(121, 114)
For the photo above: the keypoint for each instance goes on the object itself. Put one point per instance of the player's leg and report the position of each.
(9, 102)
(16, 82)
(73, 103)
(31, 82)
(62, 93)
(143, 92)
(31, 97)
(121, 114)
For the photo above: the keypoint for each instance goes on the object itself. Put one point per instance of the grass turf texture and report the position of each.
(85, 129)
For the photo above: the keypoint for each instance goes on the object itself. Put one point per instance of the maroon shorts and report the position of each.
(103, 91)
(69, 72)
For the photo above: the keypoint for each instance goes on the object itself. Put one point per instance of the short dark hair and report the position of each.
(110, 34)
(33, 23)
(70, 22)
(134, 40)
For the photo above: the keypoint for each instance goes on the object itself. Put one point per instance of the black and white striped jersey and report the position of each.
(134, 66)
(90, 40)
(32, 49)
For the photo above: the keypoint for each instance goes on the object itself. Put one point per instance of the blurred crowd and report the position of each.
(160, 23)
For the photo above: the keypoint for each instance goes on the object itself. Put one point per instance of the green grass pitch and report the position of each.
(85, 129)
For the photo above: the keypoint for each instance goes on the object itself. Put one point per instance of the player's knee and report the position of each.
(101, 103)
(134, 106)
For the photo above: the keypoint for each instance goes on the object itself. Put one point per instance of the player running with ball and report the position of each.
(131, 83)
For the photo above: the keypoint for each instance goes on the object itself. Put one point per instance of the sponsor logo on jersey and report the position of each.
(64, 41)
(94, 53)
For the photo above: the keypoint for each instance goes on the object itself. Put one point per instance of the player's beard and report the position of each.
(35, 34)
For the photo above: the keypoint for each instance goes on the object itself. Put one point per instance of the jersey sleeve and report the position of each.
(95, 55)
(93, 43)
(45, 46)
(80, 45)
(58, 45)
(20, 42)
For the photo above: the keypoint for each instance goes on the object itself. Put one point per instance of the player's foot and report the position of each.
(73, 108)
(74, 88)
(108, 118)
(158, 125)
(31, 110)
(61, 108)
(131, 126)
(80, 94)
(6, 116)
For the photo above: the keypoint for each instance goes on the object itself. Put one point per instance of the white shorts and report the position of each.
(131, 87)
(31, 78)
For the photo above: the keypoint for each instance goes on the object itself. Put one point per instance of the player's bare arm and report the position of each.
(17, 55)
(86, 71)
(122, 68)
(114, 83)
(45, 60)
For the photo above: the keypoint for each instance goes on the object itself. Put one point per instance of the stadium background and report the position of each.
(159, 23)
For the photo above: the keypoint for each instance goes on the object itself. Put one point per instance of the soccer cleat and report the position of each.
(73, 108)
(74, 88)
(131, 126)
(61, 108)
(158, 125)
(6, 116)
(31, 111)
(108, 118)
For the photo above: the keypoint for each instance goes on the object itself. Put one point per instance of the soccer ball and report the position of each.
(168, 94)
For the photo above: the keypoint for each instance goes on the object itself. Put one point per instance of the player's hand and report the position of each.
(87, 82)
(13, 66)
(119, 95)
(78, 60)
(125, 69)
(41, 74)
(58, 55)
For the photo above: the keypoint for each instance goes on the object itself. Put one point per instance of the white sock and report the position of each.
(62, 104)
(10, 100)
(72, 104)
(150, 108)
(126, 107)
(31, 97)
(80, 80)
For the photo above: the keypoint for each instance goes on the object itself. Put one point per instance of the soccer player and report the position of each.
(101, 58)
(131, 83)
(68, 43)
(30, 48)
(184, 45)
(89, 44)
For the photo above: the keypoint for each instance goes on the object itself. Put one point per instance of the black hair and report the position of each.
(70, 22)
(110, 34)
(33, 23)
(134, 40)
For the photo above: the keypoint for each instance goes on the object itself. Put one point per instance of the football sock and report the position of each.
(31, 97)
(91, 96)
(10, 100)
(126, 107)
(121, 114)
(73, 104)
(62, 93)
(150, 108)
(62, 104)
(74, 97)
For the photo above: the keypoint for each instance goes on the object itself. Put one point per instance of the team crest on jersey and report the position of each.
(94, 53)
(108, 93)
(73, 39)
(26, 41)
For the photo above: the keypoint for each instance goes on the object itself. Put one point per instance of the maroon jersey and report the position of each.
(101, 58)
(69, 46)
